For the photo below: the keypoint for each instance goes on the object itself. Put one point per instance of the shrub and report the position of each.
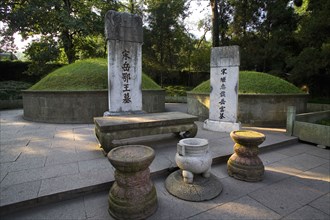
(11, 90)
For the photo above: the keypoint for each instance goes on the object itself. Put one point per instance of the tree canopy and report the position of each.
(66, 20)
(287, 38)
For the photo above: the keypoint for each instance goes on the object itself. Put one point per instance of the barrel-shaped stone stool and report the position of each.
(133, 195)
(245, 164)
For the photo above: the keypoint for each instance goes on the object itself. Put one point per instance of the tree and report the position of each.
(40, 53)
(311, 65)
(65, 20)
(165, 35)
(6, 41)
(221, 14)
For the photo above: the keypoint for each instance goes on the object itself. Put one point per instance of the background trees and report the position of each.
(275, 36)
(68, 21)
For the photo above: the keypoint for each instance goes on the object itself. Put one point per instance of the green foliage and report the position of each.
(311, 65)
(200, 58)
(66, 20)
(176, 90)
(256, 83)
(89, 74)
(41, 52)
(319, 100)
(325, 122)
(165, 39)
(91, 47)
(11, 90)
(14, 70)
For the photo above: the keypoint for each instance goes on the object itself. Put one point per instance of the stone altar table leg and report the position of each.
(245, 164)
(133, 195)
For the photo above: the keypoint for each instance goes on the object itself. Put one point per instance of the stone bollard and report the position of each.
(194, 181)
(245, 164)
(133, 195)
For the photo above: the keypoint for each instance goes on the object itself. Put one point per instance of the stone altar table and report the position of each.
(108, 129)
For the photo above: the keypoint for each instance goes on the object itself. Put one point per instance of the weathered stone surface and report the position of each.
(224, 89)
(123, 26)
(193, 157)
(124, 35)
(133, 195)
(119, 127)
(245, 164)
(306, 129)
(200, 190)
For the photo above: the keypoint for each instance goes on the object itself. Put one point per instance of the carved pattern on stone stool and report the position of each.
(133, 195)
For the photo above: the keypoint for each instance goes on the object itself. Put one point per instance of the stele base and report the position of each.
(220, 126)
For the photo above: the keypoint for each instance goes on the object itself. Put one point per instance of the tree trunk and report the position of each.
(215, 23)
(67, 41)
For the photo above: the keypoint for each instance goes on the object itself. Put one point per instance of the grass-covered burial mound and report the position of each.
(76, 93)
(83, 75)
(251, 82)
(262, 99)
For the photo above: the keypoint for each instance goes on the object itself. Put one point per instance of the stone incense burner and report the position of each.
(193, 157)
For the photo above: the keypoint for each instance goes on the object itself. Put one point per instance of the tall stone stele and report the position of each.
(224, 90)
(124, 36)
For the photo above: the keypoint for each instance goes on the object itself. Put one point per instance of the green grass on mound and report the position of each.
(83, 75)
(256, 83)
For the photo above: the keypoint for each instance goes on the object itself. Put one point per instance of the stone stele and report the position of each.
(224, 90)
(124, 36)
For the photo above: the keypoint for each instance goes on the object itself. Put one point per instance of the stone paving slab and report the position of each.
(282, 194)
(60, 161)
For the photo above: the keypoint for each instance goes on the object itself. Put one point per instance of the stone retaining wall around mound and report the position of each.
(78, 106)
(253, 110)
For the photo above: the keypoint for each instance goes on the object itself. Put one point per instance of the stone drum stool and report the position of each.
(133, 195)
(245, 164)
(194, 181)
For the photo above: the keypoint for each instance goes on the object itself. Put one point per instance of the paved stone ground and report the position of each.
(42, 163)
(296, 185)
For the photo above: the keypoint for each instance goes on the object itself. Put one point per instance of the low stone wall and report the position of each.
(78, 106)
(253, 110)
(306, 130)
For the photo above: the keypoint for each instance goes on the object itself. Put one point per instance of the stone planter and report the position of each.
(79, 106)
(193, 157)
(253, 109)
(304, 127)
(133, 195)
(245, 164)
